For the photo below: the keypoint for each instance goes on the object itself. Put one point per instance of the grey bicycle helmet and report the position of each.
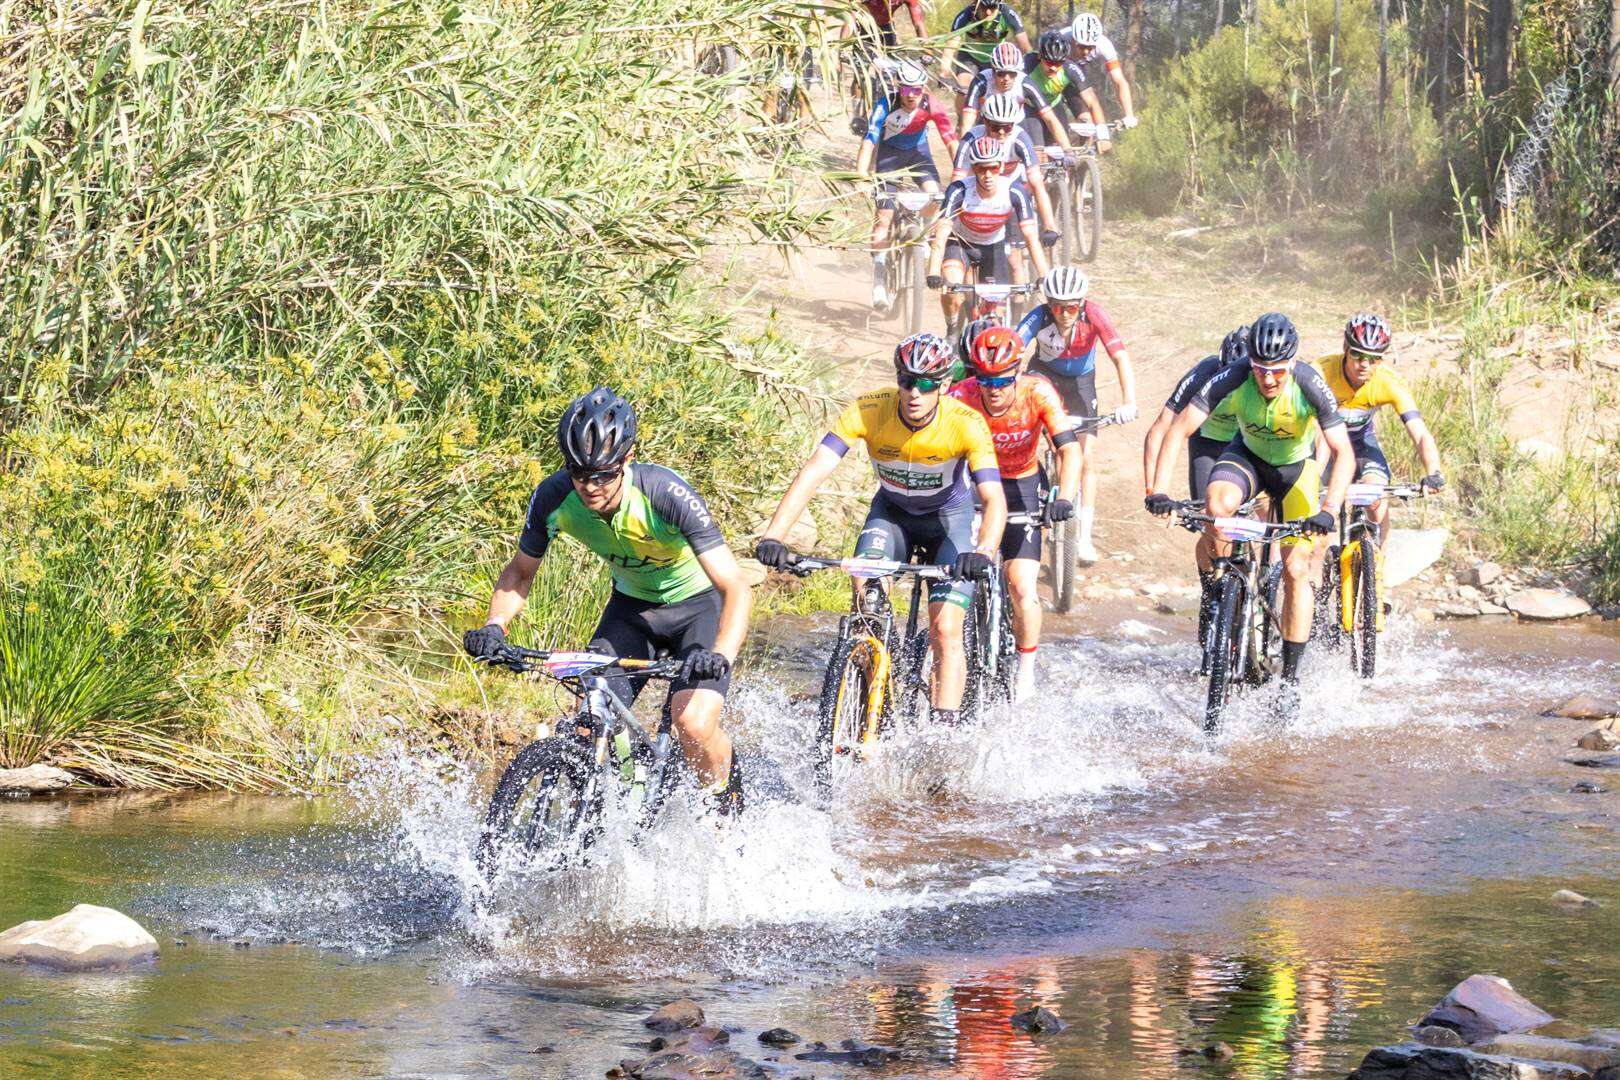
(1272, 339)
(597, 430)
(1235, 347)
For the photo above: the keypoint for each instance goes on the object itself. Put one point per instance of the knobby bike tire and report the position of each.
(919, 289)
(1367, 606)
(909, 678)
(1007, 676)
(1329, 614)
(978, 693)
(1088, 209)
(1225, 650)
(535, 774)
(1264, 663)
(843, 713)
(1062, 543)
(1066, 219)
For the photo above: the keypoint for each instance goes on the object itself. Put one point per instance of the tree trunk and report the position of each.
(1175, 47)
(1383, 60)
(1498, 45)
(1614, 56)
(1133, 39)
(1220, 14)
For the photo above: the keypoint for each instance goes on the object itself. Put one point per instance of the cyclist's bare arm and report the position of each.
(866, 158)
(1122, 87)
(1055, 126)
(1127, 374)
(811, 476)
(736, 599)
(1152, 443)
(1337, 438)
(1094, 106)
(1187, 421)
(1043, 203)
(915, 10)
(512, 590)
(1032, 239)
(1068, 463)
(936, 250)
(1428, 450)
(1322, 451)
(992, 516)
(1022, 37)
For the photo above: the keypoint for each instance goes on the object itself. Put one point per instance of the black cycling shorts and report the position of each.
(962, 64)
(915, 165)
(1025, 495)
(1079, 392)
(990, 260)
(1372, 467)
(1202, 453)
(892, 533)
(645, 630)
(1295, 489)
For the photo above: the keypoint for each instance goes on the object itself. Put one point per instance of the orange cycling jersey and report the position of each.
(1017, 432)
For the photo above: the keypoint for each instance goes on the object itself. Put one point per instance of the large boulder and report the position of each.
(79, 940)
(1543, 605)
(1409, 552)
(1410, 1062)
(1541, 1048)
(1586, 707)
(35, 779)
(678, 1015)
(1482, 1006)
(1605, 736)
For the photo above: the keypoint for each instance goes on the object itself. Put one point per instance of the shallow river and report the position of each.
(1300, 894)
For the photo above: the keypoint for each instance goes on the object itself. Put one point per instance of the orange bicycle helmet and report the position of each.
(997, 351)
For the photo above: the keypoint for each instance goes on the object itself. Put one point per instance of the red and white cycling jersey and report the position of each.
(978, 218)
(1018, 154)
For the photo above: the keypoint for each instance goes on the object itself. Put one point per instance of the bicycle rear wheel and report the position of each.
(845, 715)
(547, 806)
(1225, 650)
(1088, 209)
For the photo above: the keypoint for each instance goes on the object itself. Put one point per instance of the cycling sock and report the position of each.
(1084, 516)
(1292, 651)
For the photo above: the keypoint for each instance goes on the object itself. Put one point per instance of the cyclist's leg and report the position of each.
(623, 631)
(683, 628)
(1297, 489)
(1372, 467)
(958, 256)
(1021, 562)
(1081, 402)
(1232, 482)
(1202, 453)
(946, 534)
(881, 537)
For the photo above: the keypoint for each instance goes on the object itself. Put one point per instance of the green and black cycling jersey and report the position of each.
(651, 541)
(1063, 86)
(981, 36)
(1276, 430)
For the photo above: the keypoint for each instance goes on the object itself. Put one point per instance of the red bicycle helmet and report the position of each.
(1367, 333)
(925, 356)
(997, 351)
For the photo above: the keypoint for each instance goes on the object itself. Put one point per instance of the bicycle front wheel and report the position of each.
(547, 807)
(1225, 650)
(846, 716)
(980, 640)
(1061, 564)
(1364, 650)
(1066, 218)
(1088, 209)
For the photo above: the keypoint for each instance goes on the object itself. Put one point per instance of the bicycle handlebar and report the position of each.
(804, 565)
(1368, 494)
(1238, 528)
(561, 664)
(989, 288)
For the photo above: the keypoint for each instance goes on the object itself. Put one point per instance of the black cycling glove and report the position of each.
(485, 642)
(1159, 504)
(972, 566)
(1050, 237)
(705, 664)
(1322, 522)
(935, 281)
(773, 553)
(1434, 481)
(1059, 510)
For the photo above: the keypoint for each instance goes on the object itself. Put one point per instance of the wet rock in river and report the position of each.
(778, 1037)
(1595, 761)
(1219, 1051)
(1484, 1005)
(1539, 1047)
(1455, 610)
(1038, 1021)
(678, 1015)
(82, 939)
(35, 779)
(1571, 898)
(1547, 604)
(1605, 736)
(1412, 1062)
(689, 1054)
(1586, 787)
(1433, 1035)
(1586, 707)
(853, 1052)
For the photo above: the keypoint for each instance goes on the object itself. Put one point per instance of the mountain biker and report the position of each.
(975, 32)
(1005, 75)
(896, 145)
(972, 226)
(1361, 384)
(1279, 405)
(676, 586)
(1018, 409)
(1204, 448)
(1000, 119)
(874, 34)
(1061, 339)
(1090, 44)
(1063, 84)
(927, 450)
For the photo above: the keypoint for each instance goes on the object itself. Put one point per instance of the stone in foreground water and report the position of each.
(1038, 1021)
(35, 779)
(1484, 1005)
(82, 939)
(678, 1015)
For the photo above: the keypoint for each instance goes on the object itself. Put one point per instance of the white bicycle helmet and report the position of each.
(910, 74)
(1003, 109)
(1087, 29)
(1006, 57)
(1064, 283)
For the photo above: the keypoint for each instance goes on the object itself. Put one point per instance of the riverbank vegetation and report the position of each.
(293, 295)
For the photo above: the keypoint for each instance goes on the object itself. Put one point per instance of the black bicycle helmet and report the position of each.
(1235, 347)
(1054, 47)
(970, 334)
(1367, 333)
(1273, 339)
(596, 431)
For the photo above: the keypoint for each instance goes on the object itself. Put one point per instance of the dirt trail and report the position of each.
(1172, 297)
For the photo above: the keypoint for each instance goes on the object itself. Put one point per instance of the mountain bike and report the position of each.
(1074, 180)
(905, 272)
(880, 669)
(991, 646)
(549, 801)
(1059, 556)
(1245, 636)
(1350, 575)
(991, 300)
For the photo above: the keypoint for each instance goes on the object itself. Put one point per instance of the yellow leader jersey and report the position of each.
(1359, 404)
(919, 470)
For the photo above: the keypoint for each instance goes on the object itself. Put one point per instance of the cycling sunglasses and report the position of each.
(996, 382)
(1071, 307)
(997, 129)
(595, 477)
(919, 382)
(1358, 354)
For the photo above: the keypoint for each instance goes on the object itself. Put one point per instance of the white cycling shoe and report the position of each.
(880, 297)
(1085, 552)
